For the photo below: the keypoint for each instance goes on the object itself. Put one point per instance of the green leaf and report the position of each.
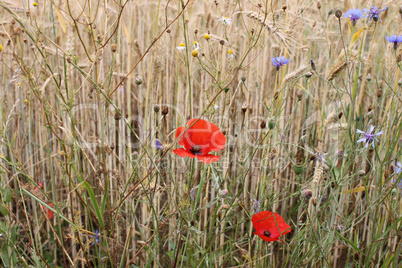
(3, 210)
(94, 202)
(8, 194)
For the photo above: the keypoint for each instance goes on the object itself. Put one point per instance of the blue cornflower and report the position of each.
(256, 206)
(368, 136)
(96, 237)
(398, 170)
(354, 15)
(279, 61)
(160, 146)
(394, 39)
(398, 167)
(374, 12)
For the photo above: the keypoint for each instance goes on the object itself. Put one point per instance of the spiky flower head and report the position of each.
(354, 15)
(395, 39)
(279, 62)
(374, 12)
(369, 137)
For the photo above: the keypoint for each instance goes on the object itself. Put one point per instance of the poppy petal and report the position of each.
(183, 153)
(209, 158)
(182, 139)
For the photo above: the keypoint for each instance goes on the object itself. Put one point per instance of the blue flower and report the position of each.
(374, 12)
(279, 61)
(354, 15)
(96, 237)
(256, 206)
(394, 39)
(368, 136)
(160, 146)
(398, 167)
(398, 170)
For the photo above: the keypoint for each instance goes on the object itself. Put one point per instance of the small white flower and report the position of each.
(196, 45)
(181, 47)
(226, 21)
(230, 54)
(216, 107)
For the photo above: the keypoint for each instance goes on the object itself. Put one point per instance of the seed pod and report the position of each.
(113, 47)
(138, 80)
(298, 169)
(314, 201)
(307, 193)
(271, 124)
(299, 94)
(263, 124)
(165, 110)
(338, 13)
(156, 108)
(318, 4)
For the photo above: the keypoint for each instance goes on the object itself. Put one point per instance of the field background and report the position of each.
(87, 86)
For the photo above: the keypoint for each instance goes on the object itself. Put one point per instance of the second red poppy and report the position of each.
(270, 226)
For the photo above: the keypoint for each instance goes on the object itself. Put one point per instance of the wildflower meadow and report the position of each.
(195, 133)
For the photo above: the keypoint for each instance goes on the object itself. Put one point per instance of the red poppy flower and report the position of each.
(50, 213)
(200, 139)
(269, 225)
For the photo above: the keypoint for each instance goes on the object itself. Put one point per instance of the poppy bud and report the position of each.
(271, 124)
(338, 13)
(243, 78)
(298, 169)
(138, 80)
(165, 110)
(113, 47)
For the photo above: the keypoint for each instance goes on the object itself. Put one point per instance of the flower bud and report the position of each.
(224, 193)
(338, 13)
(194, 53)
(307, 194)
(271, 124)
(298, 169)
(138, 80)
(369, 78)
(165, 110)
(113, 47)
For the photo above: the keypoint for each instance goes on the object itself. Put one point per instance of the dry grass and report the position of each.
(87, 87)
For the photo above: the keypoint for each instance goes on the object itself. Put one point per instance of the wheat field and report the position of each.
(93, 94)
